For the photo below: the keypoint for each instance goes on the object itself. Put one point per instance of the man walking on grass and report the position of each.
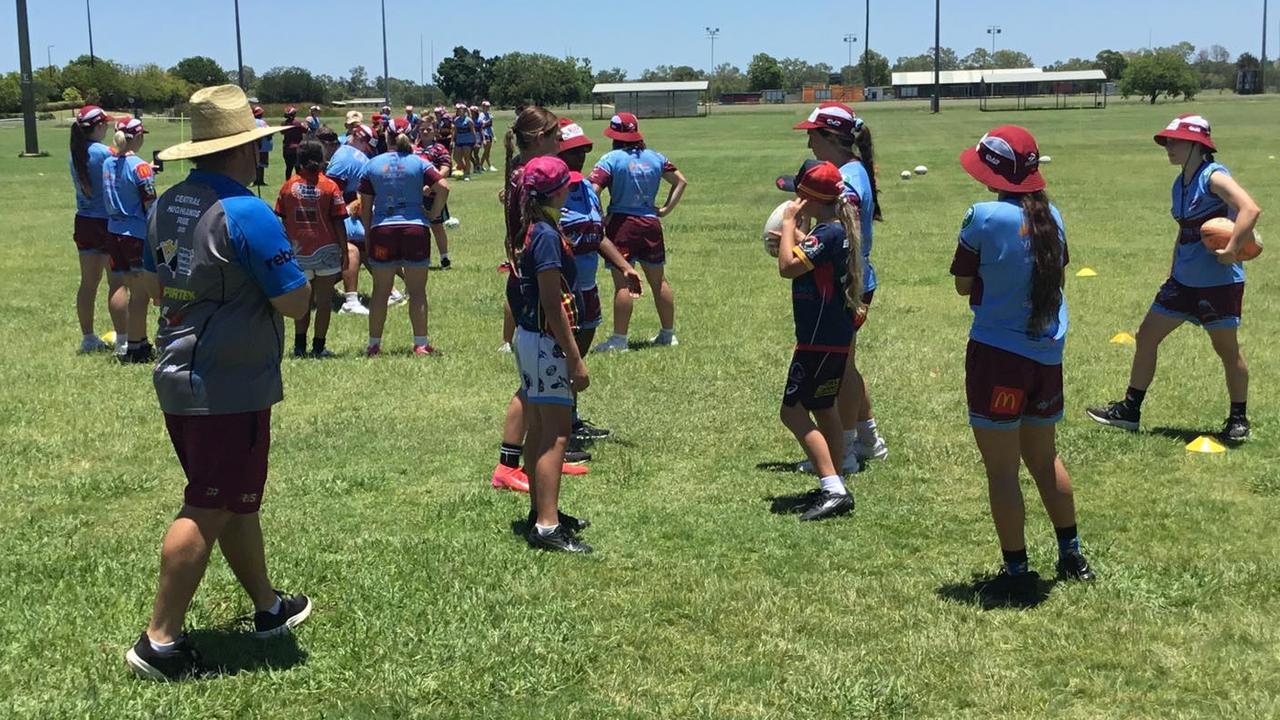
(219, 263)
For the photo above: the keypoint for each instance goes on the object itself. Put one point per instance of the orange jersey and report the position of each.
(311, 207)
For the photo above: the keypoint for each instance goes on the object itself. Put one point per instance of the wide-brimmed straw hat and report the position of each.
(220, 120)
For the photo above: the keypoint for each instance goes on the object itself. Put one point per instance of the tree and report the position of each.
(1011, 60)
(1163, 72)
(250, 78)
(948, 60)
(979, 59)
(101, 81)
(10, 93)
(678, 73)
(873, 70)
(1215, 68)
(727, 78)
(797, 72)
(465, 75)
(540, 79)
(357, 81)
(612, 75)
(764, 73)
(1247, 61)
(151, 86)
(1072, 64)
(291, 85)
(199, 71)
(1112, 63)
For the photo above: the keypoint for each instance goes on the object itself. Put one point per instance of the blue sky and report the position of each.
(327, 38)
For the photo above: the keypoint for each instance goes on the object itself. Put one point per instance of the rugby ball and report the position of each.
(773, 229)
(1045, 159)
(906, 174)
(457, 174)
(1216, 234)
(922, 170)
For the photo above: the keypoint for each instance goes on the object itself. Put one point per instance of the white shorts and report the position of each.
(324, 262)
(544, 370)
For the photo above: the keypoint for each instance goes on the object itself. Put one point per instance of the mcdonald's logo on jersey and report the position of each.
(1006, 400)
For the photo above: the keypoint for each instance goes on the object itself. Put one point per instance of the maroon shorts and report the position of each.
(1006, 389)
(1212, 308)
(638, 238)
(91, 235)
(399, 246)
(589, 314)
(125, 254)
(224, 458)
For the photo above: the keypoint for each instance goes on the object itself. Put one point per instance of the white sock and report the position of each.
(353, 297)
(833, 484)
(122, 342)
(375, 342)
(444, 256)
(545, 530)
(421, 340)
(162, 648)
(867, 432)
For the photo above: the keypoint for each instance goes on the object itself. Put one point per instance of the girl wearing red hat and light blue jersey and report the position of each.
(391, 192)
(1010, 263)
(346, 167)
(464, 140)
(1204, 287)
(837, 135)
(486, 136)
(129, 185)
(90, 233)
(633, 173)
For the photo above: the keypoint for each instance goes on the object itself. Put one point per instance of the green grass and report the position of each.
(699, 602)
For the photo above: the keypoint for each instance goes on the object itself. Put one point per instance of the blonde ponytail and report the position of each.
(851, 219)
(404, 145)
(121, 141)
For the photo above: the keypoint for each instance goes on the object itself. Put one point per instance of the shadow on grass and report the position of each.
(980, 593)
(780, 467)
(1186, 435)
(231, 651)
(791, 504)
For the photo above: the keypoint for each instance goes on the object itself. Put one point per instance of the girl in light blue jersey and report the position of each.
(1204, 287)
(129, 185)
(90, 231)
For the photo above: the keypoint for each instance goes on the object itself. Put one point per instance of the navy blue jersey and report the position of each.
(823, 319)
(545, 248)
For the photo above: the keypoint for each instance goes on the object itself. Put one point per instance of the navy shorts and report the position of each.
(814, 380)
(1005, 389)
(1212, 308)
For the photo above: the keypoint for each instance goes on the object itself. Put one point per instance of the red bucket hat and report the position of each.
(91, 115)
(1190, 127)
(1007, 159)
(834, 117)
(572, 136)
(131, 127)
(400, 124)
(290, 111)
(817, 181)
(544, 175)
(258, 111)
(624, 127)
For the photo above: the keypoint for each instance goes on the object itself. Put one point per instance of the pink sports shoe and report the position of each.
(426, 350)
(505, 478)
(372, 350)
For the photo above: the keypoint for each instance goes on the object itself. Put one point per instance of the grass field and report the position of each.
(699, 601)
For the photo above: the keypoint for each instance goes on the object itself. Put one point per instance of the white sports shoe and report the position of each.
(666, 340)
(848, 467)
(452, 222)
(613, 344)
(504, 348)
(93, 344)
(493, 169)
(353, 307)
(396, 298)
(875, 451)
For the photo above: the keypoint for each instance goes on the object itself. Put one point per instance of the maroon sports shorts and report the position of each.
(638, 238)
(224, 458)
(1005, 389)
(91, 235)
(399, 246)
(125, 254)
(1212, 308)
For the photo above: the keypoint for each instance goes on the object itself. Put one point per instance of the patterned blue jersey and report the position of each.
(1194, 204)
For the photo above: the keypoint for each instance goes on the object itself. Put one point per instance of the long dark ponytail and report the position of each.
(1046, 269)
(867, 154)
(80, 141)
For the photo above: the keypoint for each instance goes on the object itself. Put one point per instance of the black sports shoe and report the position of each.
(1073, 566)
(828, 505)
(142, 354)
(571, 523)
(323, 354)
(445, 264)
(300, 352)
(559, 540)
(584, 431)
(1235, 429)
(1117, 414)
(576, 457)
(1006, 589)
(181, 664)
(294, 609)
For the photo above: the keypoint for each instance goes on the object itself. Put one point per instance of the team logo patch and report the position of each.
(968, 219)
(1006, 400)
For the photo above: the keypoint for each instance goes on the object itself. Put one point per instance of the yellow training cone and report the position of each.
(1206, 444)
(109, 337)
(1123, 339)
(1087, 272)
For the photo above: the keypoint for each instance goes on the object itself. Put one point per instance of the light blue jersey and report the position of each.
(1194, 204)
(129, 184)
(857, 187)
(396, 183)
(633, 177)
(91, 204)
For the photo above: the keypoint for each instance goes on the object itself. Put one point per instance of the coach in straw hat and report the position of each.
(222, 267)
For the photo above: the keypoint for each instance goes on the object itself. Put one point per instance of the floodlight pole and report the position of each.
(993, 31)
(866, 48)
(711, 35)
(386, 75)
(1262, 66)
(937, 56)
(849, 40)
(48, 54)
(239, 52)
(28, 85)
(89, 16)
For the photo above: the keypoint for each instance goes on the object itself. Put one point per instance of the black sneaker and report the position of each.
(1073, 566)
(1235, 429)
(1117, 414)
(1005, 589)
(300, 352)
(324, 354)
(445, 263)
(584, 431)
(294, 609)
(560, 540)
(567, 521)
(140, 355)
(182, 663)
(828, 505)
(576, 457)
